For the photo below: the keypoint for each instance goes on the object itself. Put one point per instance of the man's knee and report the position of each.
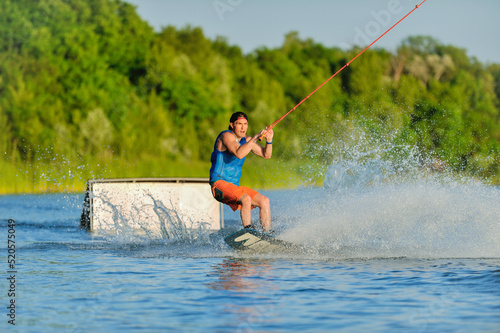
(264, 202)
(246, 200)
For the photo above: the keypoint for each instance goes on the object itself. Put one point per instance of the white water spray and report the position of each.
(384, 200)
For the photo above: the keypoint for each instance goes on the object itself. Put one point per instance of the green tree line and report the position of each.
(89, 89)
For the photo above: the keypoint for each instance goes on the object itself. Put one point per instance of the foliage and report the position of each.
(88, 83)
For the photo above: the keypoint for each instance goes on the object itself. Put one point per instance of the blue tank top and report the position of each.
(225, 165)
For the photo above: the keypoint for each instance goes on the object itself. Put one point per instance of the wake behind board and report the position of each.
(256, 241)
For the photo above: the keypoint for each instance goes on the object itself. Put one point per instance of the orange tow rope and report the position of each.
(347, 64)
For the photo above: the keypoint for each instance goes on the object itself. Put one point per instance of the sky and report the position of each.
(470, 24)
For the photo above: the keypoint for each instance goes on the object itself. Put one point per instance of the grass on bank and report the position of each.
(71, 177)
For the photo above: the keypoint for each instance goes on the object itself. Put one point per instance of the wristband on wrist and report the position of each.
(269, 143)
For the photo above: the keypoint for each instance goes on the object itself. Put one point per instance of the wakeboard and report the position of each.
(257, 241)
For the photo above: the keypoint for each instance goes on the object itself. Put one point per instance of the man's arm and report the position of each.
(240, 151)
(267, 151)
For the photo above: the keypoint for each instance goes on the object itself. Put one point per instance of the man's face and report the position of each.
(240, 127)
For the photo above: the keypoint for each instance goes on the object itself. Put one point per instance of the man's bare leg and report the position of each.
(246, 210)
(264, 205)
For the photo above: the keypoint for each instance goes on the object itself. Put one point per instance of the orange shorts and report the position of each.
(230, 194)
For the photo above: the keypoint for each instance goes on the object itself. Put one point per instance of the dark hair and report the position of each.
(235, 117)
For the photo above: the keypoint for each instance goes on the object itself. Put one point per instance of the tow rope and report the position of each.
(347, 64)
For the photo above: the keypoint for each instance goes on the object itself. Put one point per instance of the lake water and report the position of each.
(389, 246)
(418, 257)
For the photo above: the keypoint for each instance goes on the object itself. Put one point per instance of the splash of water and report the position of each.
(381, 199)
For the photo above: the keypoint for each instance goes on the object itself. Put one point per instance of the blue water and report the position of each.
(414, 257)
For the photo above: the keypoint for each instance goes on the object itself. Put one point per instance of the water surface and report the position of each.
(417, 257)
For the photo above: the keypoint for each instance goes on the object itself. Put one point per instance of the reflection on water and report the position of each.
(251, 293)
(241, 275)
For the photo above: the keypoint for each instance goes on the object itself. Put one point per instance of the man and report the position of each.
(230, 149)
